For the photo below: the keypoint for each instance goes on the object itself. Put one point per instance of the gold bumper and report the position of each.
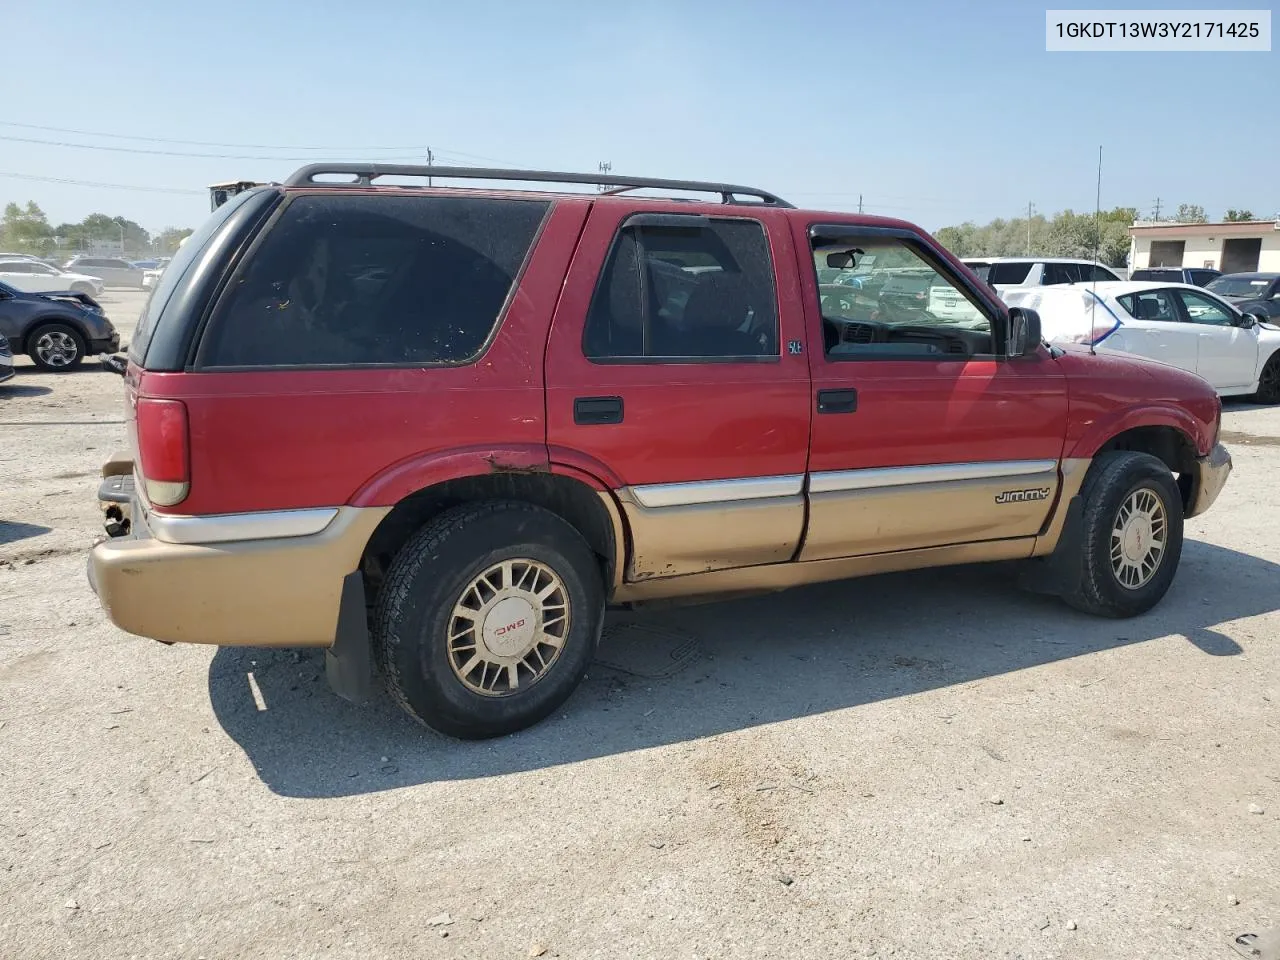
(282, 592)
(1211, 475)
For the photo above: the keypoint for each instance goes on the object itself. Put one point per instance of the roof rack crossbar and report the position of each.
(365, 173)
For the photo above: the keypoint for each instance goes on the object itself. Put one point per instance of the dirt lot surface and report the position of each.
(928, 765)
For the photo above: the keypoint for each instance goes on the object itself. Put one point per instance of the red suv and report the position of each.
(437, 430)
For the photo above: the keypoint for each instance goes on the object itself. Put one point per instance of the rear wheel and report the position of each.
(1132, 535)
(1269, 381)
(488, 618)
(56, 347)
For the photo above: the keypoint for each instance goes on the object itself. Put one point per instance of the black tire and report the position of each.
(1269, 381)
(1112, 479)
(433, 572)
(65, 350)
(82, 288)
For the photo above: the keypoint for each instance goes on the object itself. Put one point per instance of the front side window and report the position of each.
(1201, 309)
(1011, 273)
(894, 303)
(673, 291)
(374, 279)
(1150, 305)
(1056, 273)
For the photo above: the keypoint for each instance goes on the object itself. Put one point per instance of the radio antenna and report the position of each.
(1097, 243)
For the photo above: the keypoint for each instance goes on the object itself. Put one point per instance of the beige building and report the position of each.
(1229, 247)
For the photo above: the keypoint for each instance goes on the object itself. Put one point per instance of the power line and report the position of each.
(95, 183)
(415, 149)
(189, 143)
(175, 153)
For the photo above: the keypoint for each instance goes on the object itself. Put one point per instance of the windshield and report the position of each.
(1240, 286)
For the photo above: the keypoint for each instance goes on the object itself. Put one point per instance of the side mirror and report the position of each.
(1249, 321)
(1024, 332)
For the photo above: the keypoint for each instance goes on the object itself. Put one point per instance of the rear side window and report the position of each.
(367, 280)
(1008, 272)
(697, 292)
(177, 269)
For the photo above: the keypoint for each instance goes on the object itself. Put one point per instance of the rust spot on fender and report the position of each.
(499, 465)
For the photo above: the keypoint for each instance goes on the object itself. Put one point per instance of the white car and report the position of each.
(32, 276)
(1005, 272)
(150, 277)
(1175, 323)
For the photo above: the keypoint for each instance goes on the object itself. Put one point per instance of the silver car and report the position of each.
(113, 271)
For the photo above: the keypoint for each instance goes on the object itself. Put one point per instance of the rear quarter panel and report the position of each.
(282, 439)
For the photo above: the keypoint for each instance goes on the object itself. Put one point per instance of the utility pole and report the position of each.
(604, 166)
(1156, 215)
(430, 159)
(1030, 207)
(859, 203)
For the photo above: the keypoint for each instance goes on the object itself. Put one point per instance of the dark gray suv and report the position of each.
(57, 330)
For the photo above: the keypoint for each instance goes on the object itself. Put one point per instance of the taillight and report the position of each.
(163, 450)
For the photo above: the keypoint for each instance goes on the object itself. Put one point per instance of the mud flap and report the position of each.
(348, 664)
(1059, 573)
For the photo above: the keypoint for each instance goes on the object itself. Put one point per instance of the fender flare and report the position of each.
(423, 470)
(1149, 415)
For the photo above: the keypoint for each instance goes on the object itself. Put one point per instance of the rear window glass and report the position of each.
(1161, 275)
(343, 280)
(1008, 272)
(168, 281)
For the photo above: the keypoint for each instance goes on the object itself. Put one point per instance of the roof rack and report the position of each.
(366, 173)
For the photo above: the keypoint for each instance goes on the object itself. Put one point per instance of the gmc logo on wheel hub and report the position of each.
(508, 628)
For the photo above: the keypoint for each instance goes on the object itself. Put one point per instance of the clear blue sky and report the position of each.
(936, 112)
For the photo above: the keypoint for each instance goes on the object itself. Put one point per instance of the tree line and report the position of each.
(1066, 234)
(26, 229)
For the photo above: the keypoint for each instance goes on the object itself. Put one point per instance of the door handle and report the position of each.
(838, 401)
(590, 411)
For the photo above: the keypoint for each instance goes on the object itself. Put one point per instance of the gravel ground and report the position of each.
(927, 765)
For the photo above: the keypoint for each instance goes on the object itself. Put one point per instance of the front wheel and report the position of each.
(1132, 535)
(56, 347)
(1269, 381)
(488, 618)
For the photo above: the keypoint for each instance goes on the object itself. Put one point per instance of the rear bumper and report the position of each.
(277, 592)
(1212, 472)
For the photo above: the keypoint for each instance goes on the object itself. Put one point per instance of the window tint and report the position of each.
(1008, 272)
(1055, 273)
(898, 305)
(1100, 274)
(1201, 309)
(683, 292)
(177, 269)
(374, 280)
(1201, 277)
(1162, 276)
(1150, 305)
(15, 267)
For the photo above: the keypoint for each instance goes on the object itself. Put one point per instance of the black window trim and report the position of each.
(197, 364)
(646, 219)
(995, 314)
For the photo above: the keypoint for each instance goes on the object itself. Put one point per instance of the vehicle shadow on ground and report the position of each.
(686, 673)
(11, 531)
(12, 389)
